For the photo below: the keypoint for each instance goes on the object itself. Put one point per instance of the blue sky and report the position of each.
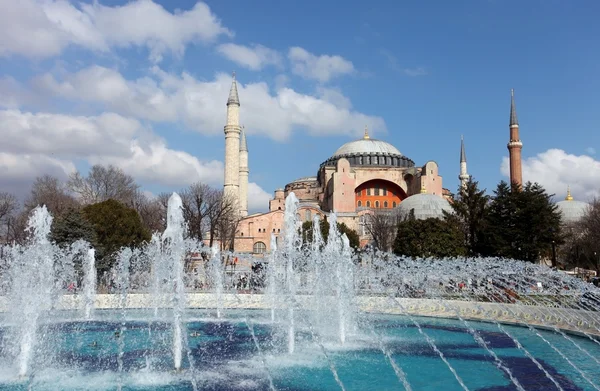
(142, 85)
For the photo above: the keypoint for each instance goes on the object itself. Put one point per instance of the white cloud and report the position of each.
(556, 169)
(255, 58)
(44, 28)
(157, 163)
(258, 199)
(18, 171)
(322, 68)
(591, 150)
(105, 139)
(200, 105)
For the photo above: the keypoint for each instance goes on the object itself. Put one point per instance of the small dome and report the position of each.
(367, 146)
(571, 210)
(425, 206)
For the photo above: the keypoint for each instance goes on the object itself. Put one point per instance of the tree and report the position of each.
(8, 208)
(587, 240)
(104, 183)
(429, 238)
(307, 232)
(470, 215)
(116, 226)
(50, 191)
(71, 227)
(199, 201)
(223, 218)
(382, 225)
(523, 222)
(152, 212)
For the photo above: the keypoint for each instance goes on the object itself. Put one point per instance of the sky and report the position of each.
(143, 85)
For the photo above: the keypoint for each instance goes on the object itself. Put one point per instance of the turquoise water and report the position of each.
(224, 356)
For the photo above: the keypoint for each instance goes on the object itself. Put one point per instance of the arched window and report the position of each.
(359, 203)
(307, 215)
(368, 204)
(394, 204)
(377, 204)
(385, 204)
(259, 248)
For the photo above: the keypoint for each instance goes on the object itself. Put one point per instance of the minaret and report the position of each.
(514, 146)
(243, 175)
(232, 145)
(463, 176)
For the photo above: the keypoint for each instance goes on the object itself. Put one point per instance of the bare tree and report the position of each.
(104, 183)
(152, 212)
(223, 219)
(197, 201)
(589, 239)
(382, 226)
(8, 208)
(51, 192)
(8, 205)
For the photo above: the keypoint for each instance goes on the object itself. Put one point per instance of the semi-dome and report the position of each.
(571, 210)
(367, 146)
(425, 206)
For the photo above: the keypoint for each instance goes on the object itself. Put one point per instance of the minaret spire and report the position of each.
(232, 146)
(233, 93)
(366, 136)
(244, 171)
(514, 146)
(513, 109)
(463, 176)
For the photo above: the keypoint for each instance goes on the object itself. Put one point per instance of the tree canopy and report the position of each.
(429, 238)
(470, 213)
(522, 223)
(307, 232)
(115, 226)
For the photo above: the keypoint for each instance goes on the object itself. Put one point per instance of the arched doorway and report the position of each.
(379, 194)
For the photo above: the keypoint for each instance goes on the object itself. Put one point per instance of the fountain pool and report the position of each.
(243, 351)
(320, 317)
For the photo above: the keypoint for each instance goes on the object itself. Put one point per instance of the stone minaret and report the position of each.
(514, 146)
(232, 145)
(243, 175)
(463, 176)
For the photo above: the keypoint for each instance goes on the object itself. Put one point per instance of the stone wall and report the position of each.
(574, 321)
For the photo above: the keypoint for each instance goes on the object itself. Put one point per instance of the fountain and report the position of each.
(324, 318)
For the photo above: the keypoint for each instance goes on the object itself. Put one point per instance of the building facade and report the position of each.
(360, 177)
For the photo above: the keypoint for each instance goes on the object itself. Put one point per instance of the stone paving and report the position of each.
(560, 319)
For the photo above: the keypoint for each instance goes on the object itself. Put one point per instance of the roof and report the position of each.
(367, 146)
(305, 179)
(425, 206)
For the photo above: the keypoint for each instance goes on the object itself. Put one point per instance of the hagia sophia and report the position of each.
(361, 176)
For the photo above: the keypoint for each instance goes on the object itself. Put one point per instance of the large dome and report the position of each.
(367, 146)
(571, 210)
(425, 206)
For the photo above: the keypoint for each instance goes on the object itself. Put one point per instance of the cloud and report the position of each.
(321, 68)
(556, 169)
(200, 105)
(18, 171)
(255, 58)
(156, 163)
(45, 28)
(105, 139)
(591, 150)
(258, 199)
